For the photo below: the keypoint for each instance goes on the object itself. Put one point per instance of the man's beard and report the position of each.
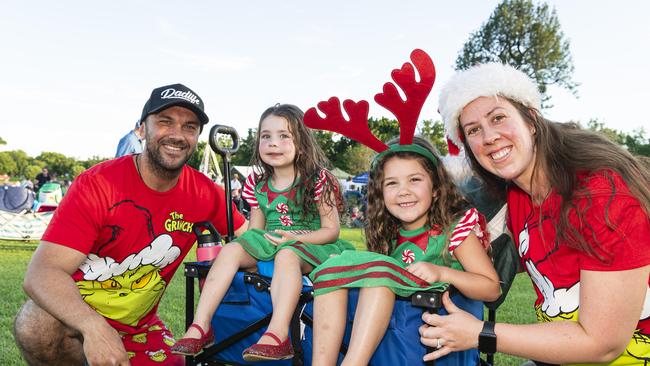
(162, 168)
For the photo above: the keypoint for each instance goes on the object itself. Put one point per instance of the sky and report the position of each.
(75, 75)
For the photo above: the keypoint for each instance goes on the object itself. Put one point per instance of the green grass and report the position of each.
(14, 257)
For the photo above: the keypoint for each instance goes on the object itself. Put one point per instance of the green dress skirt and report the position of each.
(368, 269)
(281, 212)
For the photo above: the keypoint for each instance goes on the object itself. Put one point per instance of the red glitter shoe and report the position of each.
(193, 346)
(269, 352)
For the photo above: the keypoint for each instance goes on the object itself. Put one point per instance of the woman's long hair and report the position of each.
(382, 228)
(308, 163)
(563, 152)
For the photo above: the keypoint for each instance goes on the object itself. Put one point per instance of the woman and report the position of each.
(578, 212)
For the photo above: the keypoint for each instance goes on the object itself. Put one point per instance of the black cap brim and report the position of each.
(203, 118)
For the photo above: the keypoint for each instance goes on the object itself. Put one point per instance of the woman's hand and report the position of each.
(457, 331)
(428, 271)
(279, 237)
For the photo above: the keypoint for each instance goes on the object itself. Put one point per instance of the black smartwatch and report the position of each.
(487, 339)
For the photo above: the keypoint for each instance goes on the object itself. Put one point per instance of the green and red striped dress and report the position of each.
(368, 269)
(281, 212)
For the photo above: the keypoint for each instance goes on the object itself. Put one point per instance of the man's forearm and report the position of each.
(55, 292)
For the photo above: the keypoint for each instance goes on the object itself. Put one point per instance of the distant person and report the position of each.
(218, 179)
(27, 184)
(235, 192)
(42, 178)
(131, 143)
(65, 186)
(114, 243)
(356, 216)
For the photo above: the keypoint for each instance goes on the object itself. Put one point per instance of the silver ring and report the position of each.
(438, 345)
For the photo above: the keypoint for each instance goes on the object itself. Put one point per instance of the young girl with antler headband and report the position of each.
(294, 221)
(420, 231)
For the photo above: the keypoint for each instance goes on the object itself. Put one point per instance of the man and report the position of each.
(42, 178)
(114, 243)
(131, 143)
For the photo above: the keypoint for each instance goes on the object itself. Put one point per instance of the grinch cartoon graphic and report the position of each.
(126, 291)
(562, 302)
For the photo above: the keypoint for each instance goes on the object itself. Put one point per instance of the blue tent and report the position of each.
(361, 178)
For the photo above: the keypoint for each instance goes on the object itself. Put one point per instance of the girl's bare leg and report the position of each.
(285, 292)
(330, 312)
(374, 309)
(231, 258)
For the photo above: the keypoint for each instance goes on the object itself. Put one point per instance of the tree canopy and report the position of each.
(526, 36)
(636, 142)
(342, 152)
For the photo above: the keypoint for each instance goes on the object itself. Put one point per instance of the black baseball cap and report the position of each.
(174, 95)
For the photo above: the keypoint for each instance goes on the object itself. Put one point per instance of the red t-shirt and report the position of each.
(134, 237)
(555, 268)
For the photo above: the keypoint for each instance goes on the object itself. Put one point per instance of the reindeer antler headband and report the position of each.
(406, 111)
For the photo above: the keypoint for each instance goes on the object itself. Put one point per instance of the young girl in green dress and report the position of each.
(295, 204)
(420, 233)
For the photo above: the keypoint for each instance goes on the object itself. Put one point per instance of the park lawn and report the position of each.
(14, 257)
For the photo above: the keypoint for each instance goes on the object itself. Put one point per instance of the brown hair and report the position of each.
(382, 227)
(563, 151)
(308, 162)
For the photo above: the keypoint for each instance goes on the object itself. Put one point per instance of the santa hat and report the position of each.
(484, 80)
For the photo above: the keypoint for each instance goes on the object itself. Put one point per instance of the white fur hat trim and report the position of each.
(484, 80)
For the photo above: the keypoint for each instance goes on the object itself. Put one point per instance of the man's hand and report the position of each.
(103, 346)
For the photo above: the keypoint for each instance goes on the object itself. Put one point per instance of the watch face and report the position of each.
(487, 339)
(487, 343)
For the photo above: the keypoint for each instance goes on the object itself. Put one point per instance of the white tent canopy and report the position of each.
(209, 164)
(341, 174)
(244, 170)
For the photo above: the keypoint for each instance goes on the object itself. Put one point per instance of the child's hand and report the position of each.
(279, 236)
(427, 271)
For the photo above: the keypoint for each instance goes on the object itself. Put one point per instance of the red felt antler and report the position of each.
(407, 111)
(356, 129)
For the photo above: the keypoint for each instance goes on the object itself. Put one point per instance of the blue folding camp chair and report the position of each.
(246, 310)
(401, 343)
(243, 316)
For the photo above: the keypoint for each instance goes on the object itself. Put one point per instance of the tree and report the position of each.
(21, 161)
(7, 164)
(636, 142)
(612, 134)
(195, 159)
(336, 148)
(57, 163)
(526, 36)
(246, 150)
(76, 170)
(92, 161)
(384, 128)
(31, 171)
(2, 141)
(435, 133)
(358, 159)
